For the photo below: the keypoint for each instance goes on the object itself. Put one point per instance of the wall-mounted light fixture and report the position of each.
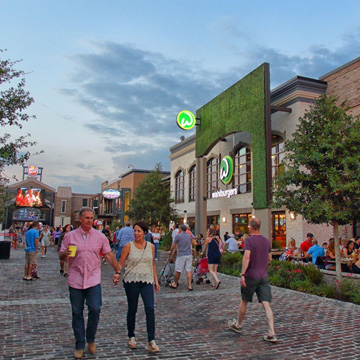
(224, 219)
(292, 215)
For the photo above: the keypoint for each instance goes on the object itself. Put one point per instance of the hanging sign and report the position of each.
(226, 169)
(185, 120)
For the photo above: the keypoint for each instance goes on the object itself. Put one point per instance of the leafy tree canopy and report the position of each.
(152, 202)
(14, 100)
(321, 180)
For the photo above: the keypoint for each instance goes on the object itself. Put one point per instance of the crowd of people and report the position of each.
(132, 251)
(324, 256)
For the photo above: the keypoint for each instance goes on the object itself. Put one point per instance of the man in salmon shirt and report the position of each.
(85, 276)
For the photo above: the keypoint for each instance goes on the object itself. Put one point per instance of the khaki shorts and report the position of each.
(259, 286)
(183, 262)
(30, 257)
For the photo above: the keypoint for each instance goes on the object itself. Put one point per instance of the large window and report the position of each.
(212, 176)
(241, 224)
(192, 183)
(84, 202)
(277, 157)
(179, 187)
(243, 170)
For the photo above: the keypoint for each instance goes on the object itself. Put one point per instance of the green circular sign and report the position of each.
(226, 169)
(185, 120)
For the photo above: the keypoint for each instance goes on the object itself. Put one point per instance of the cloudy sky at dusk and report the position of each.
(109, 77)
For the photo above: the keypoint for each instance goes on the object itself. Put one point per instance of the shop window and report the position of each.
(212, 171)
(277, 157)
(192, 183)
(242, 179)
(212, 220)
(241, 224)
(179, 187)
(279, 229)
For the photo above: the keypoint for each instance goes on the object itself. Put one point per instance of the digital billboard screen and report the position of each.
(30, 197)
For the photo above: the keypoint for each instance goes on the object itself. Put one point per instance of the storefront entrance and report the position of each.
(279, 229)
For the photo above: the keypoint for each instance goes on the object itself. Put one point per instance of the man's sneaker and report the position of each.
(272, 339)
(132, 343)
(152, 347)
(232, 325)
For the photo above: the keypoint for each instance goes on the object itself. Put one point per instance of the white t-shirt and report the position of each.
(156, 238)
(233, 246)
(174, 233)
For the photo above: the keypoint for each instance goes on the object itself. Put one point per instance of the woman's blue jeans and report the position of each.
(133, 290)
(92, 296)
(156, 250)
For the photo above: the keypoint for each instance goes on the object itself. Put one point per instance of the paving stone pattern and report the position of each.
(35, 320)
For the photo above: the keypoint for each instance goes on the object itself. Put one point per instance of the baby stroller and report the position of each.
(167, 273)
(201, 271)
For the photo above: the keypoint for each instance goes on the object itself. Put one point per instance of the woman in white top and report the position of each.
(45, 240)
(156, 240)
(140, 279)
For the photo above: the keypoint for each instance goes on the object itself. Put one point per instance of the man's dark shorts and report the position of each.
(259, 286)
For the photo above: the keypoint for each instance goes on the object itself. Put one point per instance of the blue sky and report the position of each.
(109, 77)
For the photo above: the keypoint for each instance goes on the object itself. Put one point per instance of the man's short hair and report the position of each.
(309, 235)
(127, 223)
(314, 241)
(84, 209)
(232, 235)
(183, 227)
(255, 223)
(35, 223)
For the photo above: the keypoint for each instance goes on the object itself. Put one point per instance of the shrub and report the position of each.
(166, 241)
(231, 263)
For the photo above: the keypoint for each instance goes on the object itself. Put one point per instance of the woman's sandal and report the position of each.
(172, 286)
(218, 284)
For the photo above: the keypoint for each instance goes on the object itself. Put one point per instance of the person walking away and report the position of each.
(156, 240)
(254, 279)
(140, 279)
(32, 241)
(183, 243)
(126, 235)
(212, 245)
(45, 239)
(85, 277)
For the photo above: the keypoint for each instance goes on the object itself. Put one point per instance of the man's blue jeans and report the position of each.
(118, 254)
(92, 296)
(133, 290)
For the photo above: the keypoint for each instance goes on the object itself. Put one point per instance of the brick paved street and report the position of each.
(36, 321)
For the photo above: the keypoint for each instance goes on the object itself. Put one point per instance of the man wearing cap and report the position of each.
(232, 244)
(183, 243)
(308, 243)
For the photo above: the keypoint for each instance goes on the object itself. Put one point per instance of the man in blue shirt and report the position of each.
(126, 235)
(32, 241)
(315, 251)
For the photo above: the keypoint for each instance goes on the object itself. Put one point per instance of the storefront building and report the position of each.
(223, 174)
(115, 196)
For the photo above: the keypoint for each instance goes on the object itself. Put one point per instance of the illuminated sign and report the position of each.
(111, 194)
(30, 197)
(185, 120)
(226, 169)
(224, 193)
(32, 170)
(98, 222)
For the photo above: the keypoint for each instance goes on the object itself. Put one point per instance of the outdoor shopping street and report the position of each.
(36, 320)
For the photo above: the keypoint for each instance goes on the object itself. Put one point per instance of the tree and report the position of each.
(321, 179)
(151, 201)
(14, 100)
